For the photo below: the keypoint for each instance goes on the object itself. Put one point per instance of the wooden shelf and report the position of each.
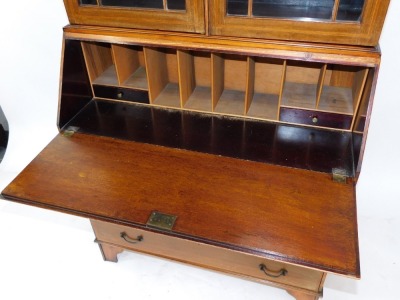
(342, 89)
(169, 96)
(108, 77)
(336, 99)
(200, 99)
(137, 80)
(300, 95)
(264, 106)
(231, 102)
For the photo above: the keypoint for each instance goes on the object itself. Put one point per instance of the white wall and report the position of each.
(33, 266)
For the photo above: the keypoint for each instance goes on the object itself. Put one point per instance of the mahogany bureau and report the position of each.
(224, 134)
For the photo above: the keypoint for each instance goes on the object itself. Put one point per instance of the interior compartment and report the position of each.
(130, 66)
(163, 79)
(246, 139)
(342, 88)
(229, 79)
(256, 87)
(195, 80)
(302, 84)
(265, 87)
(100, 63)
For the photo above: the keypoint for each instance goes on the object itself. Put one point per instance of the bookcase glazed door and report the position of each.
(355, 22)
(171, 15)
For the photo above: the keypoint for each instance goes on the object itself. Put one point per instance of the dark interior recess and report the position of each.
(75, 91)
(286, 145)
(134, 3)
(88, 2)
(176, 4)
(350, 10)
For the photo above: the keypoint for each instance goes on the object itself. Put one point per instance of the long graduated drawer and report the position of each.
(207, 256)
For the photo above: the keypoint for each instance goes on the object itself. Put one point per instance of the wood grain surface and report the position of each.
(285, 214)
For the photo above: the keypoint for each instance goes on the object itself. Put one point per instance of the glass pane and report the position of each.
(350, 10)
(294, 9)
(176, 4)
(86, 2)
(237, 7)
(134, 3)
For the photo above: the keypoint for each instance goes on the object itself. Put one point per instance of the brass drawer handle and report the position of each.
(274, 274)
(128, 239)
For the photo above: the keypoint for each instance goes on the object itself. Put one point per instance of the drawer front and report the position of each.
(208, 256)
(315, 118)
(117, 93)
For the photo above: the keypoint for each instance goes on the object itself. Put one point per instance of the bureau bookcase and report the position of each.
(224, 134)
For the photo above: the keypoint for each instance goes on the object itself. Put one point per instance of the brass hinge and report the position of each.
(339, 175)
(70, 131)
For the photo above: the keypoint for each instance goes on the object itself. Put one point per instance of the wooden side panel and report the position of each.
(217, 78)
(235, 72)
(186, 75)
(268, 74)
(250, 83)
(320, 84)
(341, 77)
(358, 87)
(202, 63)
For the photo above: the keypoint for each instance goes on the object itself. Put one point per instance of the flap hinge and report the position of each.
(70, 130)
(339, 175)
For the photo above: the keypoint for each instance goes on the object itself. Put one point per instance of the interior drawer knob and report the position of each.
(128, 239)
(274, 274)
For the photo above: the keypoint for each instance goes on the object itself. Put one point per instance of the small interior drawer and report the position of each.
(208, 256)
(118, 93)
(315, 118)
